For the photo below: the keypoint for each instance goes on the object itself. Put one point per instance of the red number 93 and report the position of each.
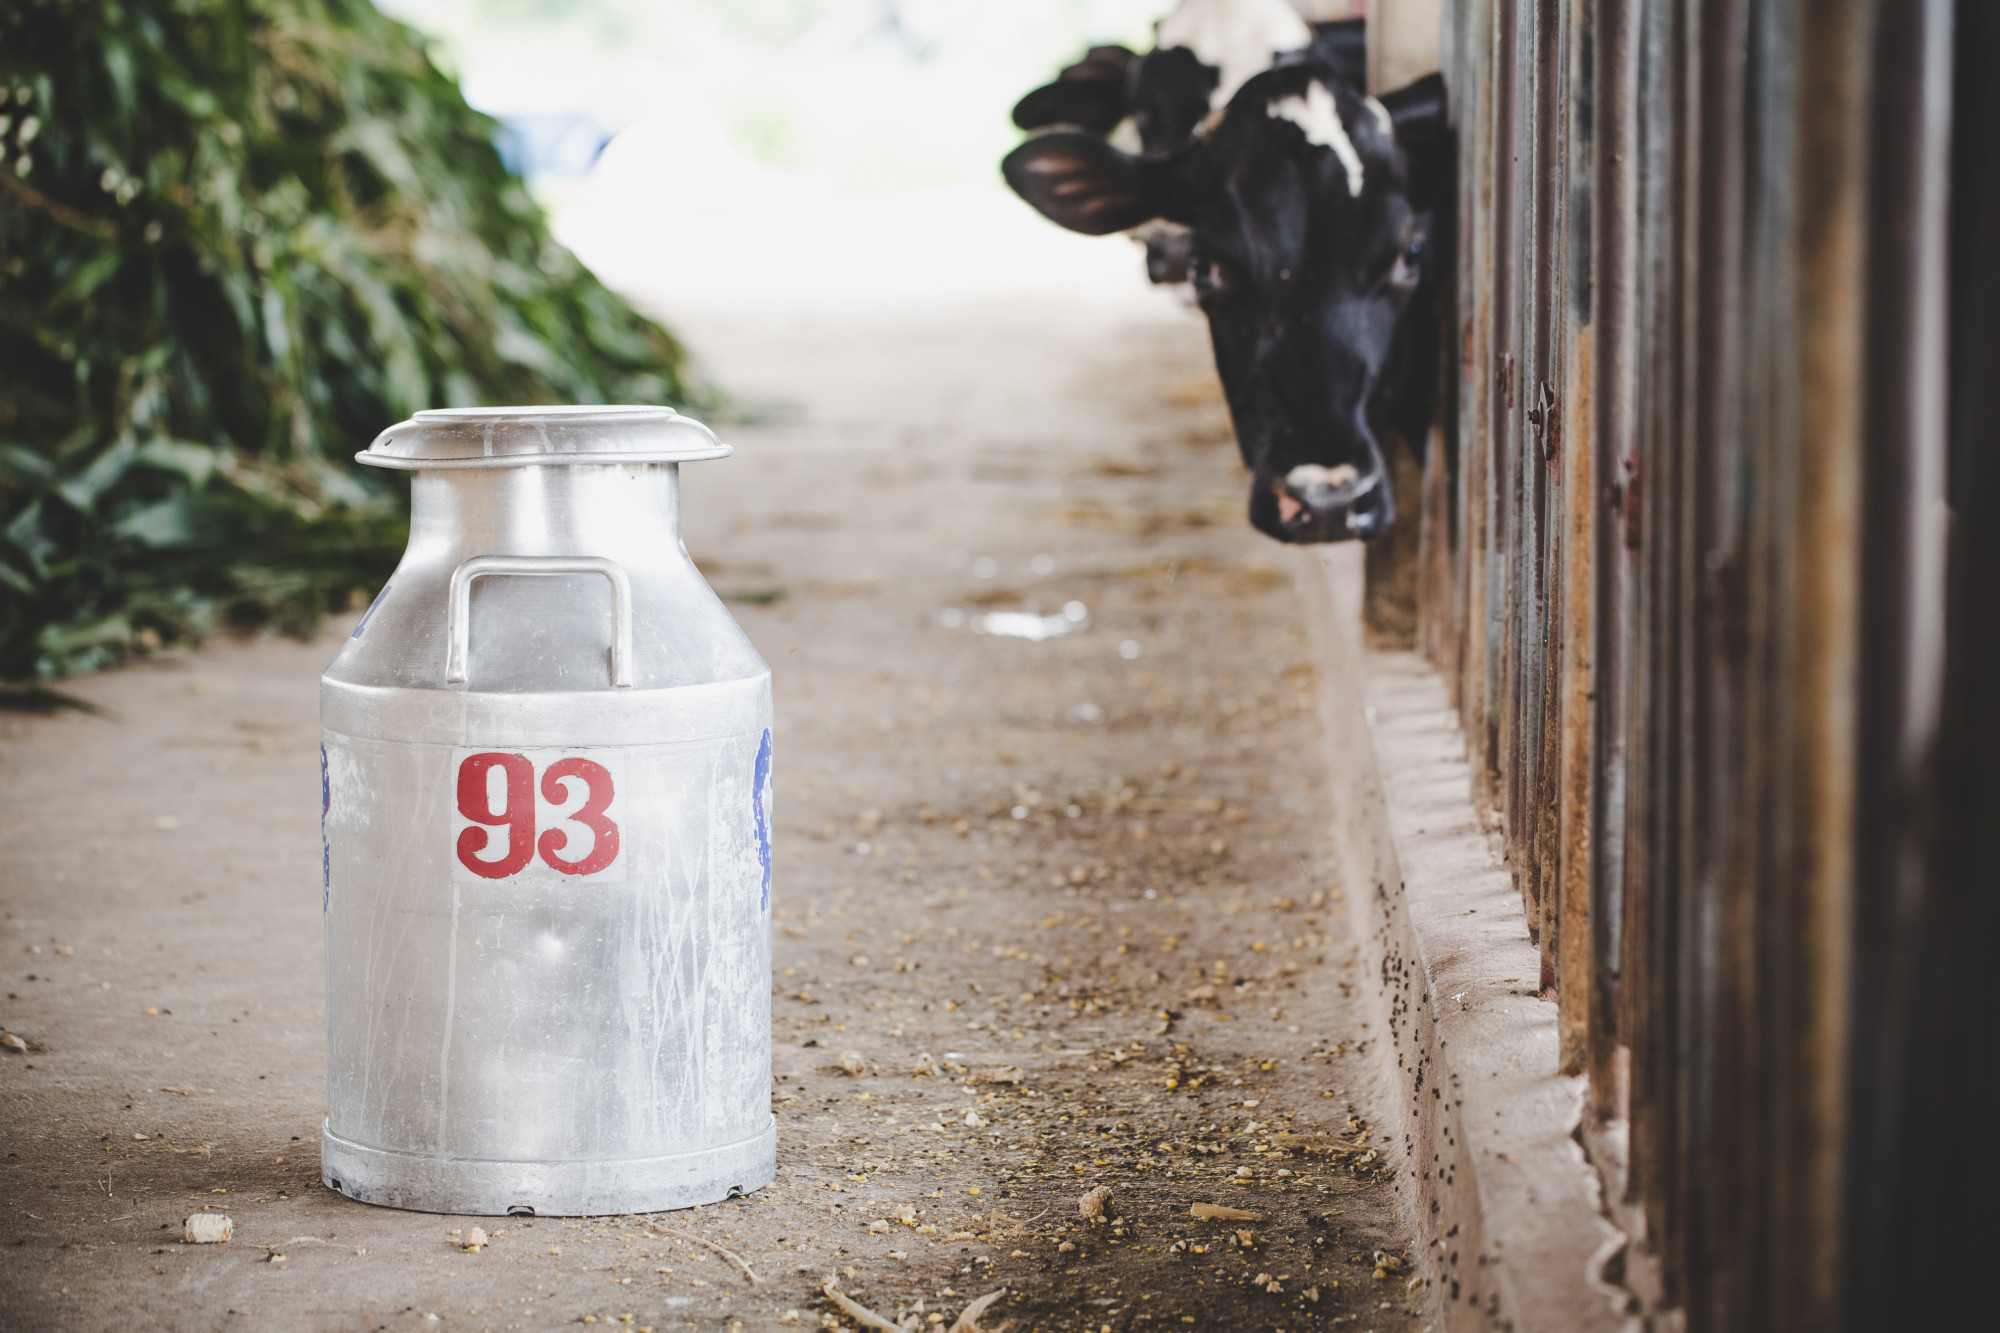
(516, 814)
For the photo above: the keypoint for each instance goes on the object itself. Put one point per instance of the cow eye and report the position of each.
(1408, 265)
(1208, 275)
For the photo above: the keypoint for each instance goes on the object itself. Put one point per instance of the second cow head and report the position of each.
(1310, 210)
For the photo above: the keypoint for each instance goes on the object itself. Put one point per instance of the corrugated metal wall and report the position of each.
(1687, 554)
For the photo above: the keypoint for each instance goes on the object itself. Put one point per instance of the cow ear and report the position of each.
(1419, 110)
(1343, 44)
(1422, 117)
(1092, 94)
(1096, 105)
(1081, 182)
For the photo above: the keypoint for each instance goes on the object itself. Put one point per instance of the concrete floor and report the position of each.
(1154, 943)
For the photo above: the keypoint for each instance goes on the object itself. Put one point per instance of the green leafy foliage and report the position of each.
(238, 238)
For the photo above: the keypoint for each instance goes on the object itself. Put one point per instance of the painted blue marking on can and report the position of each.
(760, 805)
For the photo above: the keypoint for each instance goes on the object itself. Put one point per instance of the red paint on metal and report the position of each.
(597, 782)
(517, 815)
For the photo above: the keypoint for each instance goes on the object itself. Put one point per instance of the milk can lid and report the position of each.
(483, 437)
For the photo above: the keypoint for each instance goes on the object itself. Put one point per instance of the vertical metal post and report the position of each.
(1818, 499)
(1902, 619)
(1949, 1158)
(1614, 535)
(1580, 1014)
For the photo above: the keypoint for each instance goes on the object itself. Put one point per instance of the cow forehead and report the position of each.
(1316, 113)
(1327, 111)
(1289, 170)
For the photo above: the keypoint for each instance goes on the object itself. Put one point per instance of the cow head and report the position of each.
(1309, 226)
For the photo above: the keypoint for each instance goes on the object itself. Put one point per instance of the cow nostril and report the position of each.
(1369, 518)
(1308, 476)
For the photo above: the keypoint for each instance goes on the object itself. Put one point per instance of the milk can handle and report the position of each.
(459, 617)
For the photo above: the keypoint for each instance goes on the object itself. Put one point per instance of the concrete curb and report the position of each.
(1506, 1209)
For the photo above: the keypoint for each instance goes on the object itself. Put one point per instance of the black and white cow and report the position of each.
(1154, 103)
(1310, 209)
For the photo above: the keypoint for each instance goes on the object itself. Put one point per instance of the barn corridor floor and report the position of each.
(1060, 899)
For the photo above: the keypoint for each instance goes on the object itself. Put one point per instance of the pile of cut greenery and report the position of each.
(238, 238)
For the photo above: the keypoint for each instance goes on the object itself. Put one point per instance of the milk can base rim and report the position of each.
(591, 1188)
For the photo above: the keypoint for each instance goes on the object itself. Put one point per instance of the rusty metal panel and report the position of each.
(1578, 985)
(1494, 374)
(1515, 247)
(1699, 583)
(1821, 295)
(1472, 41)
(1613, 530)
(1719, 710)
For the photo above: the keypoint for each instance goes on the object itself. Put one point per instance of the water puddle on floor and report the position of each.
(1020, 624)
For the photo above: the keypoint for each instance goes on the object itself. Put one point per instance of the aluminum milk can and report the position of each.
(547, 810)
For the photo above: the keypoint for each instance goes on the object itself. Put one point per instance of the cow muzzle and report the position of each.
(1315, 503)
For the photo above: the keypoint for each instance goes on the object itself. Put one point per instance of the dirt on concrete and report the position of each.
(1051, 916)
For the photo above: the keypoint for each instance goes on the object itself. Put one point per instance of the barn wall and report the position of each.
(1695, 575)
